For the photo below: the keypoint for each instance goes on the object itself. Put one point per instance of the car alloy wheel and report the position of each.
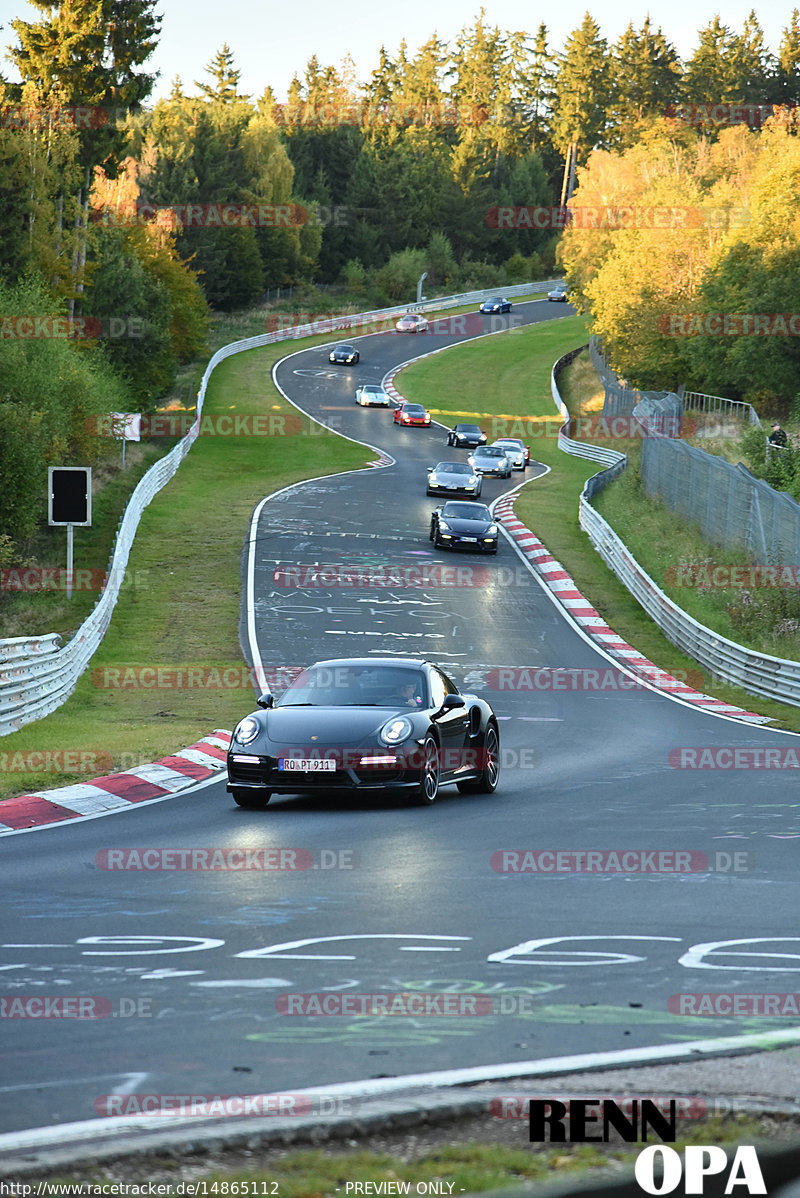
(255, 800)
(490, 774)
(429, 773)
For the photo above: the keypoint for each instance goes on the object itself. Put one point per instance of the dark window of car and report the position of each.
(453, 468)
(467, 428)
(341, 685)
(490, 451)
(441, 686)
(414, 409)
(465, 511)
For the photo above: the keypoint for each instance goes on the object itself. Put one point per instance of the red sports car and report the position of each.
(411, 413)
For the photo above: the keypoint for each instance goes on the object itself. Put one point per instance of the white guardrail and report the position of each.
(758, 673)
(37, 674)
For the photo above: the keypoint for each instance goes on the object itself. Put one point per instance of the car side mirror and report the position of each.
(265, 700)
(450, 702)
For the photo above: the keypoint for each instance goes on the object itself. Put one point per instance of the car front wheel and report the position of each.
(428, 787)
(486, 783)
(255, 800)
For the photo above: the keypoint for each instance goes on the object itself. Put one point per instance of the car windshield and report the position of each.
(496, 299)
(347, 349)
(341, 685)
(413, 409)
(372, 390)
(452, 468)
(466, 511)
(468, 428)
(490, 451)
(501, 444)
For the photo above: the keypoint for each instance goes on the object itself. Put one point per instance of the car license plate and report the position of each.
(473, 539)
(307, 764)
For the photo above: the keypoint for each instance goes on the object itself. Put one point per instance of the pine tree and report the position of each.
(582, 94)
(646, 77)
(225, 76)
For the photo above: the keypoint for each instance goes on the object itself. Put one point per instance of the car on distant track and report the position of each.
(372, 395)
(491, 459)
(457, 525)
(497, 303)
(411, 413)
(466, 436)
(412, 322)
(559, 294)
(344, 355)
(365, 724)
(516, 451)
(454, 477)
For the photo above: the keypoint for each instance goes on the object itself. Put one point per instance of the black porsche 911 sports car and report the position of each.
(350, 724)
(346, 355)
(455, 524)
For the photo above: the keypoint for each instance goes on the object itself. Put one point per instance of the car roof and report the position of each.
(359, 662)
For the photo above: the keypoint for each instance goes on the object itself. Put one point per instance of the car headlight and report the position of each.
(444, 524)
(492, 530)
(246, 731)
(396, 730)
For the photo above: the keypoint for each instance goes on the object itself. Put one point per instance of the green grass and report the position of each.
(469, 1166)
(184, 610)
(510, 375)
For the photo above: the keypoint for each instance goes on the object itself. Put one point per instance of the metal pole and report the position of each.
(123, 452)
(69, 560)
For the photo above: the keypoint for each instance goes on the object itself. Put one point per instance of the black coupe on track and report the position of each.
(392, 724)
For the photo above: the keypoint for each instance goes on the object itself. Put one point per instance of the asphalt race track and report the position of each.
(192, 964)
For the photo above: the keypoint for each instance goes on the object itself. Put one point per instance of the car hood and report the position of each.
(331, 725)
(470, 527)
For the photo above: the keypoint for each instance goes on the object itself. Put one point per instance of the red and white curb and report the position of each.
(116, 792)
(563, 588)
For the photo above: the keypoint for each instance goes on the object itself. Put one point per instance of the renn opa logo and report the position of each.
(659, 1169)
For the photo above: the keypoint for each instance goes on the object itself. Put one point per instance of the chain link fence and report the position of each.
(733, 509)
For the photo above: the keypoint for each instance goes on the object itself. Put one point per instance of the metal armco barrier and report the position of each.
(37, 675)
(758, 673)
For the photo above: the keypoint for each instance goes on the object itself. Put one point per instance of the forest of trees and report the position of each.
(384, 177)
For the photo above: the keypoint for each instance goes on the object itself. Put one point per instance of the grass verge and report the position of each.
(505, 381)
(437, 1154)
(184, 612)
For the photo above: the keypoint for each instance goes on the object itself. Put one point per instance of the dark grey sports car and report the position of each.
(466, 436)
(469, 525)
(365, 724)
(346, 355)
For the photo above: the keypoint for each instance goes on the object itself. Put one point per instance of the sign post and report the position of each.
(69, 502)
(126, 426)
